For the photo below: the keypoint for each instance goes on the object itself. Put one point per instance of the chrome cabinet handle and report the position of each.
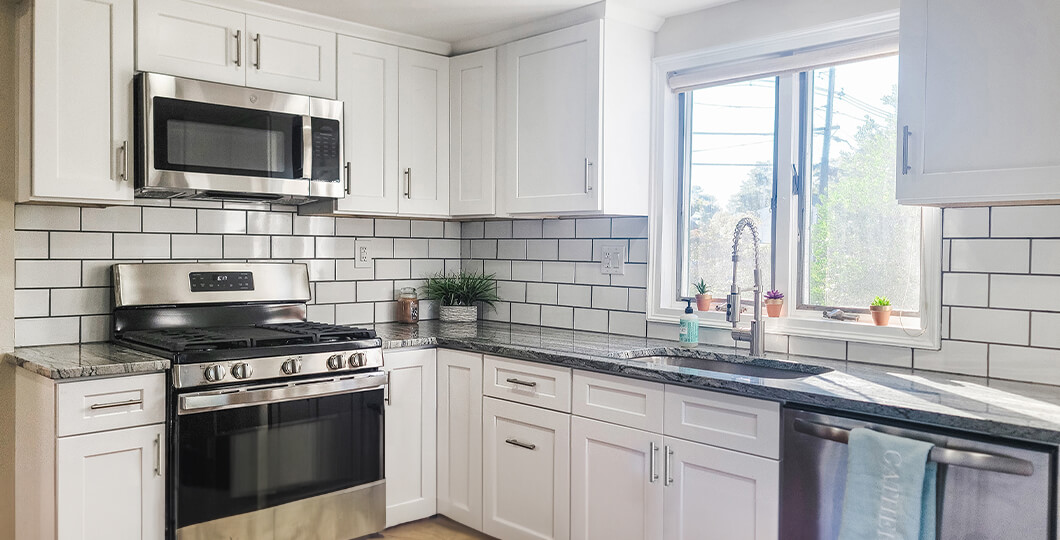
(668, 466)
(389, 392)
(124, 174)
(653, 474)
(408, 183)
(905, 149)
(521, 382)
(239, 48)
(111, 405)
(520, 444)
(158, 455)
(947, 456)
(588, 185)
(347, 169)
(257, 51)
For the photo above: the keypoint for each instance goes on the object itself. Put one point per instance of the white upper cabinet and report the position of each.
(186, 39)
(472, 133)
(977, 96)
(423, 133)
(576, 120)
(75, 109)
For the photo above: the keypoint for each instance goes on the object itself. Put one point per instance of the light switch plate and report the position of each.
(612, 259)
(363, 254)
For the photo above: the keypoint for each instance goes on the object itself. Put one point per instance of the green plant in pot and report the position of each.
(459, 294)
(881, 311)
(703, 295)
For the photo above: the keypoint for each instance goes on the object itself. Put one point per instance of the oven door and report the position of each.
(271, 460)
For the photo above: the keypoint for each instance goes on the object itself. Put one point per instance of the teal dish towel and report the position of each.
(890, 490)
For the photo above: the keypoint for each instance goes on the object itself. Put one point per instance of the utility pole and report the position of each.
(826, 146)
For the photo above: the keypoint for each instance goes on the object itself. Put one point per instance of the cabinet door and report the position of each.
(616, 482)
(290, 58)
(472, 117)
(526, 472)
(368, 87)
(410, 436)
(423, 133)
(716, 494)
(552, 121)
(975, 134)
(112, 484)
(186, 39)
(460, 436)
(81, 87)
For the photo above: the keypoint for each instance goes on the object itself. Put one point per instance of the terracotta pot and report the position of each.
(774, 306)
(459, 313)
(881, 315)
(703, 302)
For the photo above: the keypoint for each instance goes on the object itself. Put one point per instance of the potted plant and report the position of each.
(459, 294)
(703, 297)
(774, 302)
(881, 311)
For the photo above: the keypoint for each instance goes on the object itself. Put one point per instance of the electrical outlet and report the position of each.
(612, 259)
(363, 254)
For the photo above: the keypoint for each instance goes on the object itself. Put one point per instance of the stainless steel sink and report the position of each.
(740, 367)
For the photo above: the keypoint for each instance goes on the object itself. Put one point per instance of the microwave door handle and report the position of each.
(307, 147)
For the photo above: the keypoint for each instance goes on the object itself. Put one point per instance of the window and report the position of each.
(803, 141)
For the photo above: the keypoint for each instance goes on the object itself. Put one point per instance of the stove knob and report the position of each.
(242, 371)
(335, 361)
(357, 359)
(214, 373)
(292, 366)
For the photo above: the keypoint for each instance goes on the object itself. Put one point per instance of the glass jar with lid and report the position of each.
(408, 306)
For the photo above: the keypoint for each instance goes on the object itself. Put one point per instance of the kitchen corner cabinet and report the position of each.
(460, 437)
(978, 116)
(410, 433)
(575, 121)
(75, 101)
(197, 41)
(472, 133)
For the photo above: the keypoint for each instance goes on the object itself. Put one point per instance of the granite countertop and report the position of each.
(1023, 411)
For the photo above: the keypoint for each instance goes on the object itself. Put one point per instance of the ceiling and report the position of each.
(454, 21)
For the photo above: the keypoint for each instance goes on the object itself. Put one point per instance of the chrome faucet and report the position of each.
(756, 334)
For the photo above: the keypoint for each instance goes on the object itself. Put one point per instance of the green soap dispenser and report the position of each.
(689, 326)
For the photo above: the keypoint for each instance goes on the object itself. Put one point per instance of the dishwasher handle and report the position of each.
(945, 456)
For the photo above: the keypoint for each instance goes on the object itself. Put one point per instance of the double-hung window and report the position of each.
(802, 141)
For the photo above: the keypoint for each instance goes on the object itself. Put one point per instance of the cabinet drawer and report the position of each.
(119, 402)
(735, 422)
(619, 400)
(526, 382)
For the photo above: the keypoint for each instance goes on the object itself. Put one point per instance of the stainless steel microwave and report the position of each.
(200, 140)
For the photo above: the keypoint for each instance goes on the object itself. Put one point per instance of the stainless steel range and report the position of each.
(276, 422)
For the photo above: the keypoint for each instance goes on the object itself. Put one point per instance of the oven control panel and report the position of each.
(221, 281)
(277, 367)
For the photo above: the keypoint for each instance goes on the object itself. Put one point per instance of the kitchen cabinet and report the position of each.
(423, 133)
(575, 120)
(978, 117)
(472, 133)
(526, 471)
(411, 435)
(75, 101)
(112, 484)
(617, 488)
(192, 40)
(460, 437)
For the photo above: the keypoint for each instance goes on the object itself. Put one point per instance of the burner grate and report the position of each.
(323, 332)
(187, 339)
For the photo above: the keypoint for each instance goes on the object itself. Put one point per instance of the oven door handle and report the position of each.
(263, 394)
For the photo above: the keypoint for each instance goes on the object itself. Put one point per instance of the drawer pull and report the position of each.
(520, 382)
(111, 405)
(652, 451)
(667, 464)
(521, 444)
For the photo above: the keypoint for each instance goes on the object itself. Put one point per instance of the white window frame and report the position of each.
(922, 332)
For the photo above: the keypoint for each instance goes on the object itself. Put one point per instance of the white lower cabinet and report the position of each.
(460, 437)
(112, 484)
(717, 494)
(526, 471)
(616, 482)
(410, 434)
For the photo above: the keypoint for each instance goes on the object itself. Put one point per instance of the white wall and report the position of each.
(7, 262)
(747, 20)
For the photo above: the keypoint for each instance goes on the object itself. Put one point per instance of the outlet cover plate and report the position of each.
(612, 259)
(362, 254)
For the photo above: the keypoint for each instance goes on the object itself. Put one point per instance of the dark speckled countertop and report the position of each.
(1023, 411)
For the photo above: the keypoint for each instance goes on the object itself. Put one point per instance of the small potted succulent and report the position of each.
(774, 302)
(703, 297)
(459, 294)
(881, 311)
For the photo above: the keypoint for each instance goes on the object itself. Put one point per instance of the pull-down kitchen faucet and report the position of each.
(756, 334)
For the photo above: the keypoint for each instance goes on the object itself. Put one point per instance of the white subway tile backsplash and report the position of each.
(629, 227)
(576, 250)
(393, 269)
(638, 251)
(141, 246)
(1011, 256)
(345, 269)
(511, 291)
(345, 226)
(966, 223)
(31, 244)
(966, 289)
(1045, 257)
(169, 220)
(197, 246)
(393, 227)
(526, 314)
(443, 248)
(541, 293)
(451, 230)
(483, 249)
(500, 312)
(336, 292)
(1025, 222)
(638, 300)
(610, 298)
(424, 268)
(497, 229)
(95, 328)
(498, 269)
(375, 291)
(222, 222)
(557, 228)
(527, 228)
(557, 316)
(324, 313)
(98, 273)
(428, 229)
(32, 302)
(472, 229)
(293, 247)
(47, 331)
(593, 228)
(47, 218)
(636, 275)
(990, 325)
(314, 225)
(575, 295)
(1025, 292)
(625, 323)
(47, 274)
(320, 269)
(557, 272)
(542, 250)
(1025, 364)
(271, 223)
(954, 357)
(355, 313)
(81, 245)
(511, 249)
(410, 248)
(336, 247)
(111, 219)
(1045, 330)
(589, 274)
(592, 320)
(246, 247)
(527, 270)
(94, 301)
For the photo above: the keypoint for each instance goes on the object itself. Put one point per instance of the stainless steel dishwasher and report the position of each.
(986, 491)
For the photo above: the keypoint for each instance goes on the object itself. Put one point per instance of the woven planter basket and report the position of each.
(459, 313)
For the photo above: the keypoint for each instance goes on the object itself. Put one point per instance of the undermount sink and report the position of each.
(743, 368)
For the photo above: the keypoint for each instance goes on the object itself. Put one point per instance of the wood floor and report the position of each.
(435, 528)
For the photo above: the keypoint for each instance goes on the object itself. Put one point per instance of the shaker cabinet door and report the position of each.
(290, 58)
(188, 39)
(410, 422)
(460, 436)
(423, 133)
(472, 130)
